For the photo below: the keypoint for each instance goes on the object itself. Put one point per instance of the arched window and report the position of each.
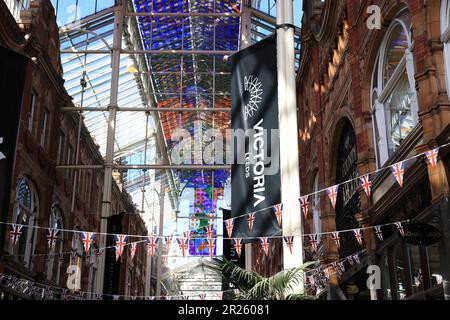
(54, 261)
(25, 213)
(316, 208)
(394, 97)
(445, 38)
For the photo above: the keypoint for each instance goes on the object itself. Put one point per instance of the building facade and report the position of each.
(46, 197)
(371, 94)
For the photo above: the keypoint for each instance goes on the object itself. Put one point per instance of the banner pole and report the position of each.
(289, 162)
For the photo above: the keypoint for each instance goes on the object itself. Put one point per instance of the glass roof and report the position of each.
(159, 80)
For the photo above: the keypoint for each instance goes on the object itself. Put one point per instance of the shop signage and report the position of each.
(421, 234)
(255, 174)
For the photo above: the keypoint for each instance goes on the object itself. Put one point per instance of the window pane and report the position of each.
(417, 278)
(397, 44)
(399, 115)
(399, 270)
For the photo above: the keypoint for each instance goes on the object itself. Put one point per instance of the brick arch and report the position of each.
(343, 115)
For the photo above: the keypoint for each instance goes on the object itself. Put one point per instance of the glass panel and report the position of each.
(397, 44)
(399, 270)
(399, 115)
(434, 262)
(384, 263)
(416, 270)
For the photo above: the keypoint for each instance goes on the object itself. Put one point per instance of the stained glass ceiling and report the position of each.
(199, 77)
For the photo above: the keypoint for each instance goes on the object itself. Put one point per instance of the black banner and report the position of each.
(112, 266)
(12, 78)
(255, 178)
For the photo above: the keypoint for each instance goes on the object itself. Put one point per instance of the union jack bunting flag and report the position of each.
(202, 296)
(326, 272)
(332, 194)
(183, 243)
(341, 266)
(350, 260)
(211, 246)
(229, 225)
(168, 241)
(358, 236)
(265, 245)
(238, 246)
(251, 221)
(115, 297)
(133, 249)
(52, 238)
(433, 157)
(366, 184)
(400, 228)
(289, 242)
(356, 258)
(379, 233)
(313, 242)
(210, 231)
(278, 210)
(398, 171)
(87, 238)
(187, 234)
(151, 246)
(15, 233)
(121, 241)
(304, 204)
(337, 239)
(220, 295)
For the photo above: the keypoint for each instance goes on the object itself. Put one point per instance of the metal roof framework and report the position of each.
(139, 69)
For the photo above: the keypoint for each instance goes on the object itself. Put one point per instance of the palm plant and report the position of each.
(253, 286)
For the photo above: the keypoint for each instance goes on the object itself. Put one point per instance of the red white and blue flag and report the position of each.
(202, 296)
(184, 245)
(358, 236)
(133, 249)
(337, 239)
(289, 242)
(210, 231)
(251, 220)
(52, 238)
(350, 260)
(379, 233)
(366, 184)
(220, 295)
(229, 225)
(313, 242)
(15, 233)
(168, 241)
(238, 246)
(398, 170)
(400, 228)
(278, 210)
(332, 194)
(304, 204)
(356, 258)
(152, 242)
(87, 238)
(121, 241)
(432, 156)
(211, 246)
(187, 235)
(265, 245)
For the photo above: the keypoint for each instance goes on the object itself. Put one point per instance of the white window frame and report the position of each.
(383, 90)
(445, 39)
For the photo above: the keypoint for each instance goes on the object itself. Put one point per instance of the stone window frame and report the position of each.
(381, 89)
(56, 221)
(33, 213)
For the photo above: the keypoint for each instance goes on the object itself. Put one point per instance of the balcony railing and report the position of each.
(16, 6)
